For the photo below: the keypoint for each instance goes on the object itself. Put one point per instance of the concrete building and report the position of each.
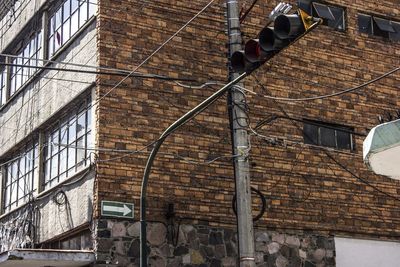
(74, 136)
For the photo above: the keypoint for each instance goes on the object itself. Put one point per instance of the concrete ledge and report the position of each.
(46, 257)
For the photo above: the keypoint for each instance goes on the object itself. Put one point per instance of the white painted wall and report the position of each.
(366, 253)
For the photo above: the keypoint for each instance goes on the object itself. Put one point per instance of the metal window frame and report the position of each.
(383, 24)
(68, 120)
(396, 35)
(310, 6)
(17, 79)
(51, 38)
(32, 148)
(333, 127)
(321, 8)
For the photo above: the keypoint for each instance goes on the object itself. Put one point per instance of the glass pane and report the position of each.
(323, 11)
(9, 175)
(55, 142)
(66, 10)
(384, 25)
(89, 118)
(310, 134)
(327, 137)
(74, 23)
(74, 4)
(14, 171)
(54, 166)
(89, 141)
(7, 196)
(71, 157)
(63, 160)
(80, 152)
(66, 33)
(72, 131)
(364, 24)
(47, 171)
(395, 36)
(92, 7)
(21, 187)
(343, 140)
(64, 134)
(51, 45)
(13, 193)
(81, 123)
(29, 182)
(57, 39)
(22, 169)
(52, 23)
(58, 18)
(83, 11)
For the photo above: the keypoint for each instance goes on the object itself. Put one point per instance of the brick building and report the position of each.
(73, 135)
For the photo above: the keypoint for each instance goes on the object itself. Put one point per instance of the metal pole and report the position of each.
(240, 146)
(182, 120)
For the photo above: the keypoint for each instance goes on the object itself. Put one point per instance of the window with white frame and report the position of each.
(23, 65)
(67, 20)
(19, 182)
(67, 144)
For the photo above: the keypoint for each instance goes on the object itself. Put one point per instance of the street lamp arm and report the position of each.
(181, 121)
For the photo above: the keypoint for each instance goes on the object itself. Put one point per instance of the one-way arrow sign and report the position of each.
(117, 209)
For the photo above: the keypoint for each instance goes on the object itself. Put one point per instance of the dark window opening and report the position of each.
(333, 16)
(328, 135)
(379, 27)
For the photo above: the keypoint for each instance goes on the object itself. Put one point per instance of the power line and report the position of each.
(324, 96)
(333, 158)
(156, 50)
(135, 75)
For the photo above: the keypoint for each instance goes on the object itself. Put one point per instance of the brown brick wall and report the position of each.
(305, 188)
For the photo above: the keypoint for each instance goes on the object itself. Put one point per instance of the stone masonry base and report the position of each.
(117, 244)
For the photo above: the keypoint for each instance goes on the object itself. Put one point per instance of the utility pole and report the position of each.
(240, 146)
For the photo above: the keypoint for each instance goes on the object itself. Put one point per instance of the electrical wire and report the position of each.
(135, 75)
(334, 159)
(156, 50)
(349, 90)
(243, 17)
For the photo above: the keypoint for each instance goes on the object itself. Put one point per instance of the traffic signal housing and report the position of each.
(271, 40)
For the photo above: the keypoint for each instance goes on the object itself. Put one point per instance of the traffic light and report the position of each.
(271, 40)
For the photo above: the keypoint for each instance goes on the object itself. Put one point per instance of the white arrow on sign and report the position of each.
(124, 210)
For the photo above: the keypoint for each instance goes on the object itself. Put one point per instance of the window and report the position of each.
(67, 20)
(27, 57)
(20, 175)
(333, 16)
(379, 27)
(66, 146)
(328, 135)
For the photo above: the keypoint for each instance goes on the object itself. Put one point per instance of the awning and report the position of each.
(381, 149)
(46, 257)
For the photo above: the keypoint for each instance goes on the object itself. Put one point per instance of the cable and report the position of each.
(263, 204)
(325, 96)
(243, 17)
(135, 75)
(337, 162)
(156, 50)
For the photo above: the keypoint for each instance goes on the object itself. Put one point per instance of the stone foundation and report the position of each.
(117, 244)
